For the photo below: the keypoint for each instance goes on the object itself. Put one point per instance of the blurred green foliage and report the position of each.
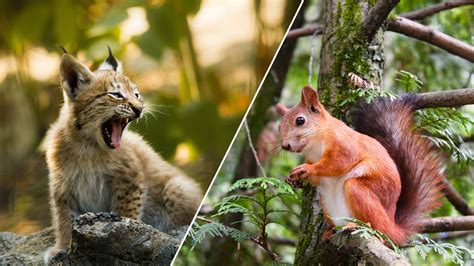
(196, 104)
(411, 66)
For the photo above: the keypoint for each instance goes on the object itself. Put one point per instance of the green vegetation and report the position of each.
(410, 66)
(196, 92)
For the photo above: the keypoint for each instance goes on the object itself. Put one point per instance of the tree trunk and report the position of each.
(343, 50)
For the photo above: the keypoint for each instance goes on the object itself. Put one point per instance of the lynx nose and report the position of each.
(286, 146)
(136, 110)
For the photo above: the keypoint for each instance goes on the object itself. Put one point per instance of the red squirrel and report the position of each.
(382, 173)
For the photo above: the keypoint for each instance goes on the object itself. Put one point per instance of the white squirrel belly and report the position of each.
(332, 193)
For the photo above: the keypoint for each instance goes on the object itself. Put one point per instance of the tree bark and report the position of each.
(306, 31)
(347, 46)
(448, 224)
(434, 9)
(424, 33)
(376, 17)
(450, 98)
(457, 200)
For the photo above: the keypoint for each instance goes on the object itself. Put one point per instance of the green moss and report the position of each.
(391, 17)
(350, 53)
(311, 226)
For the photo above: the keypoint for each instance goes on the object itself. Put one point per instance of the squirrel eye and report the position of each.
(117, 95)
(300, 121)
(137, 95)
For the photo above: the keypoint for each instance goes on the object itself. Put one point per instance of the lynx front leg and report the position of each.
(171, 204)
(61, 218)
(128, 200)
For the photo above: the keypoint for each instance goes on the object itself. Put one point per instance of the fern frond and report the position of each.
(263, 183)
(449, 251)
(215, 229)
(408, 81)
(444, 127)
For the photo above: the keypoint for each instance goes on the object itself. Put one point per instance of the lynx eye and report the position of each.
(300, 120)
(117, 95)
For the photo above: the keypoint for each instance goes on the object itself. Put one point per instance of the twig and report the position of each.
(312, 30)
(415, 30)
(311, 58)
(204, 219)
(376, 17)
(452, 235)
(447, 224)
(468, 81)
(282, 241)
(457, 200)
(450, 98)
(264, 245)
(434, 9)
(253, 149)
(423, 33)
(468, 138)
(256, 240)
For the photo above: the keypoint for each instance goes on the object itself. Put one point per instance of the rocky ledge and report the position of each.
(102, 238)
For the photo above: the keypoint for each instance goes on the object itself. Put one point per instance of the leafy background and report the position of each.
(198, 64)
(411, 66)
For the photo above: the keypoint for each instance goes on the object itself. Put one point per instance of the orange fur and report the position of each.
(357, 174)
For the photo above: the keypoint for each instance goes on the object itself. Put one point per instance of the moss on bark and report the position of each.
(343, 51)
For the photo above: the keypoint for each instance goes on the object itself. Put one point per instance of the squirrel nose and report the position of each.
(286, 146)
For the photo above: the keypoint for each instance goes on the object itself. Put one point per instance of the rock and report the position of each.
(102, 238)
(18, 249)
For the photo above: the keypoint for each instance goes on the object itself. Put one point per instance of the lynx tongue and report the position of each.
(117, 130)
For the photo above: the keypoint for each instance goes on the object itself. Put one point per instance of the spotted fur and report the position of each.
(86, 175)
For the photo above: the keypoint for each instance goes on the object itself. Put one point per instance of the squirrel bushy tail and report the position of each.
(419, 164)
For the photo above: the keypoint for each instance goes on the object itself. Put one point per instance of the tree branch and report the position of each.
(445, 224)
(307, 31)
(457, 200)
(377, 15)
(451, 236)
(282, 241)
(431, 10)
(450, 98)
(361, 250)
(421, 32)
(468, 138)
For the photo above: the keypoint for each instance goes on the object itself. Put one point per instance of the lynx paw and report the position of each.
(54, 254)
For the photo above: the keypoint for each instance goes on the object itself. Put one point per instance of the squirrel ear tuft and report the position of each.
(111, 63)
(309, 97)
(281, 109)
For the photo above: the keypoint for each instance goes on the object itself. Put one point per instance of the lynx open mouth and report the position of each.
(112, 131)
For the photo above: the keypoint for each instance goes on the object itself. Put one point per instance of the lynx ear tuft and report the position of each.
(111, 63)
(62, 49)
(74, 76)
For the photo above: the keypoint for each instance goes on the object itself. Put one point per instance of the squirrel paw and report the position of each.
(295, 183)
(349, 227)
(327, 234)
(300, 172)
